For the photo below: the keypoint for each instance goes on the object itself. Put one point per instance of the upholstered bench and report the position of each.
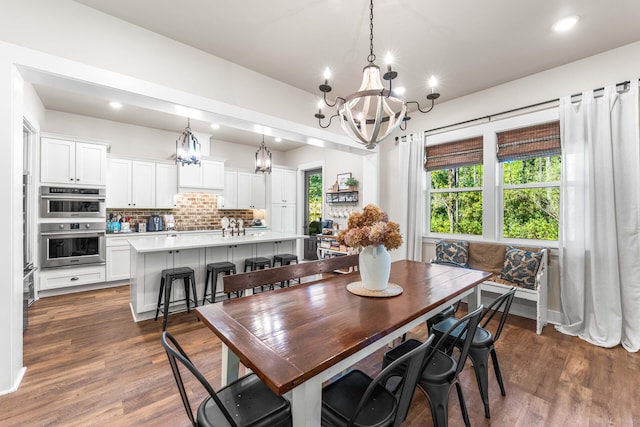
(511, 265)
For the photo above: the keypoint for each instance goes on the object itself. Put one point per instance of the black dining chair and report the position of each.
(442, 370)
(245, 402)
(483, 344)
(356, 399)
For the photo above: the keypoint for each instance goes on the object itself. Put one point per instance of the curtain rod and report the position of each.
(624, 86)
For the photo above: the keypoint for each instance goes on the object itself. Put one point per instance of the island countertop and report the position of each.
(204, 240)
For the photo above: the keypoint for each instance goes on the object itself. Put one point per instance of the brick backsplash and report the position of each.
(193, 211)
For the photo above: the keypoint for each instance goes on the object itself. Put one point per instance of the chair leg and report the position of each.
(192, 279)
(206, 286)
(463, 405)
(496, 369)
(438, 396)
(159, 298)
(185, 282)
(480, 357)
(167, 298)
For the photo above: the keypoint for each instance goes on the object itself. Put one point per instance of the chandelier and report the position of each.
(263, 159)
(372, 113)
(188, 150)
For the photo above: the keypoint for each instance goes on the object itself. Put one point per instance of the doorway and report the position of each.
(312, 211)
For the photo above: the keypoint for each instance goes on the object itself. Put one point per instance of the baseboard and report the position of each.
(17, 382)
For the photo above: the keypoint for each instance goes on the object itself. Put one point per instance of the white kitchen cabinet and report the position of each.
(209, 175)
(283, 218)
(57, 278)
(251, 191)
(166, 185)
(229, 200)
(131, 184)
(70, 162)
(283, 186)
(118, 266)
(243, 190)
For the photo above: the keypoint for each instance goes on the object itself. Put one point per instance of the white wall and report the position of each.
(607, 68)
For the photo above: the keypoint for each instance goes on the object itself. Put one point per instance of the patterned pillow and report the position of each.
(520, 267)
(452, 253)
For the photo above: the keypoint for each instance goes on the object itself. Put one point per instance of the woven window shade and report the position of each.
(530, 142)
(454, 154)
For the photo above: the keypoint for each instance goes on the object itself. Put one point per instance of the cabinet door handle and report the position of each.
(70, 179)
(73, 279)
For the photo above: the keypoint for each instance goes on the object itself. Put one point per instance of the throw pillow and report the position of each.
(452, 253)
(520, 267)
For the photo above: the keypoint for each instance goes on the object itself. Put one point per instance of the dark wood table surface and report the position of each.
(309, 331)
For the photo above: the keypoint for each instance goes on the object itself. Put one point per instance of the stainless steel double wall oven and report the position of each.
(79, 237)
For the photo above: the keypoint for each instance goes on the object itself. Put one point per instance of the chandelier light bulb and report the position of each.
(327, 73)
(433, 82)
(389, 58)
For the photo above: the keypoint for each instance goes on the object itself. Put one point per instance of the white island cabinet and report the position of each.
(150, 256)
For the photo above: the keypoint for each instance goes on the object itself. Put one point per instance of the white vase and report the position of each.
(375, 267)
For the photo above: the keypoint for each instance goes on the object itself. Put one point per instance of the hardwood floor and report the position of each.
(89, 364)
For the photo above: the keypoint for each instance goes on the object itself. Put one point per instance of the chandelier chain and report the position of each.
(372, 57)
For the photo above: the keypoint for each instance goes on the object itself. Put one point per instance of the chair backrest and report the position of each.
(415, 359)
(176, 354)
(253, 279)
(503, 302)
(461, 327)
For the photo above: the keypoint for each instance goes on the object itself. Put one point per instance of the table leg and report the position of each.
(230, 365)
(306, 403)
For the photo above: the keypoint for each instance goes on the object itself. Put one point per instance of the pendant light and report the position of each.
(188, 150)
(263, 159)
(371, 114)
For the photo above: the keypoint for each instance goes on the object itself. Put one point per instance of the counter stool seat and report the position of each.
(213, 269)
(285, 259)
(188, 277)
(257, 263)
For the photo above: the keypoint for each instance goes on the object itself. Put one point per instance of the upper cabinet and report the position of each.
(166, 185)
(283, 186)
(141, 185)
(209, 175)
(243, 190)
(69, 162)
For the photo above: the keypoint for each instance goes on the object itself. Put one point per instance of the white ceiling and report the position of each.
(468, 45)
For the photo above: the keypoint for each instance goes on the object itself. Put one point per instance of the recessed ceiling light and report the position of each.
(565, 24)
(278, 139)
(115, 105)
(215, 126)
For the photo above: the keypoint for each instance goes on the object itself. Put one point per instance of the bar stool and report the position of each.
(167, 277)
(257, 263)
(213, 269)
(284, 259)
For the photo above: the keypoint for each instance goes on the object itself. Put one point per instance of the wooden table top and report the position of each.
(290, 335)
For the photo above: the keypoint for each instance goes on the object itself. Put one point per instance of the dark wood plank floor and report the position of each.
(89, 364)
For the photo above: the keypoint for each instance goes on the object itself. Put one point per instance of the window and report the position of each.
(531, 163)
(456, 186)
(498, 180)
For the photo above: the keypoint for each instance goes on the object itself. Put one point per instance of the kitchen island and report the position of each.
(149, 256)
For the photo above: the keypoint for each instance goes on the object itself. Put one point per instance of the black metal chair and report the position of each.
(483, 344)
(442, 370)
(357, 399)
(245, 402)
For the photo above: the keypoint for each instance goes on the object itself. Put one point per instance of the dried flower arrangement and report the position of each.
(371, 227)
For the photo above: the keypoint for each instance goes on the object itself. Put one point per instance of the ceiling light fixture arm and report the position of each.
(431, 97)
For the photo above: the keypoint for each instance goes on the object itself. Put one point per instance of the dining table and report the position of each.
(297, 338)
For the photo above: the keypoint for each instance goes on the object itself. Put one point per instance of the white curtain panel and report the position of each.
(600, 219)
(411, 166)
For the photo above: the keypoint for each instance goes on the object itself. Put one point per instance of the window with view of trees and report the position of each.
(513, 165)
(531, 165)
(456, 186)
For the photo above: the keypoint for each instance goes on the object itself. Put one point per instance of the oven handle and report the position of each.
(75, 197)
(75, 233)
